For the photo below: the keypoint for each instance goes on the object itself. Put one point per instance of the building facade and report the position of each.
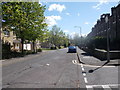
(110, 27)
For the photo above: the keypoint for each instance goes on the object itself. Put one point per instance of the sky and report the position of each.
(73, 16)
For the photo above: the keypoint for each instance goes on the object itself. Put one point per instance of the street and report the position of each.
(58, 69)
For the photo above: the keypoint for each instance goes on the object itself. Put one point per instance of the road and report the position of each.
(56, 69)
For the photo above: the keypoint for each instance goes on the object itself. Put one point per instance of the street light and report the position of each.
(108, 49)
(80, 30)
(80, 33)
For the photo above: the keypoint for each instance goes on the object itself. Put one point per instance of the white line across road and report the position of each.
(88, 65)
(106, 87)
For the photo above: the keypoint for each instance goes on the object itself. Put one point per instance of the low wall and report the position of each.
(102, 54)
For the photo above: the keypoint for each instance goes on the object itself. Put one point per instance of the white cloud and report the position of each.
(51, 20)
(66, 31)
(57, 7)
(68, 14)
(86, 23)
(101, 2)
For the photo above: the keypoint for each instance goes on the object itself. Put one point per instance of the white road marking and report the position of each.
(83, 69)
(47, 64)
(81, 65)
(96, 66)
(88, 65)
(89, 86)
(106, 87)
(84, 74)
(74, 61)
(85, 80)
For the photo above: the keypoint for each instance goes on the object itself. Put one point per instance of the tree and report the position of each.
(26, 19)
(57, 37)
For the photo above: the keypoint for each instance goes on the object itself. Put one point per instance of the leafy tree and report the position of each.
(26, 19)
(57, 37)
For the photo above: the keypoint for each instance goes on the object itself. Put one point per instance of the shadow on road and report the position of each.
(92, 70)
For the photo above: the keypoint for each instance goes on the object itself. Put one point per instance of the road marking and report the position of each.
(84, 74)
(88, 65)
(47, 64)
(106, 87)
(85, 80)
(74, 61)
(83, 69)
(81, 65)
(89, 86)
(96, 66)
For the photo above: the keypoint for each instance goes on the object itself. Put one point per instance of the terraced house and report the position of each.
(112, 26)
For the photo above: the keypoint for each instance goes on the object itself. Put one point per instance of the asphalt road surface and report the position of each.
(57, 69)
(53, 69)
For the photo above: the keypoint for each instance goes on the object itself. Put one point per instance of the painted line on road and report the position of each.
(88, 65)
(106, 87)
(85, 78)
(89, 86)
(95, 65)
(86, 81)
(81, 65)
(84, 74)
(83, 69)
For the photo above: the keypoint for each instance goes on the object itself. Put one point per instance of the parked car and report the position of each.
(72, 49)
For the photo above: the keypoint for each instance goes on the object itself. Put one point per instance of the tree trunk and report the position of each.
(22, 42)
(34, 47)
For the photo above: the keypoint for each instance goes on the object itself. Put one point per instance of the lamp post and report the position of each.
(108, 49)
(80, 33)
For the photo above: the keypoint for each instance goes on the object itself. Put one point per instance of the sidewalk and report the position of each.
(91, 60)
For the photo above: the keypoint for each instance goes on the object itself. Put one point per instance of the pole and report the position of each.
(80, 33)
(108, 48)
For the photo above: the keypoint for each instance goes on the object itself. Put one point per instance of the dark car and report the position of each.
(71, 49)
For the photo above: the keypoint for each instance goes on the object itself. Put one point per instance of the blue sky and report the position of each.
(67, 15)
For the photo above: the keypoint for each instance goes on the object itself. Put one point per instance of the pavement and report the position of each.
(85, 58)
